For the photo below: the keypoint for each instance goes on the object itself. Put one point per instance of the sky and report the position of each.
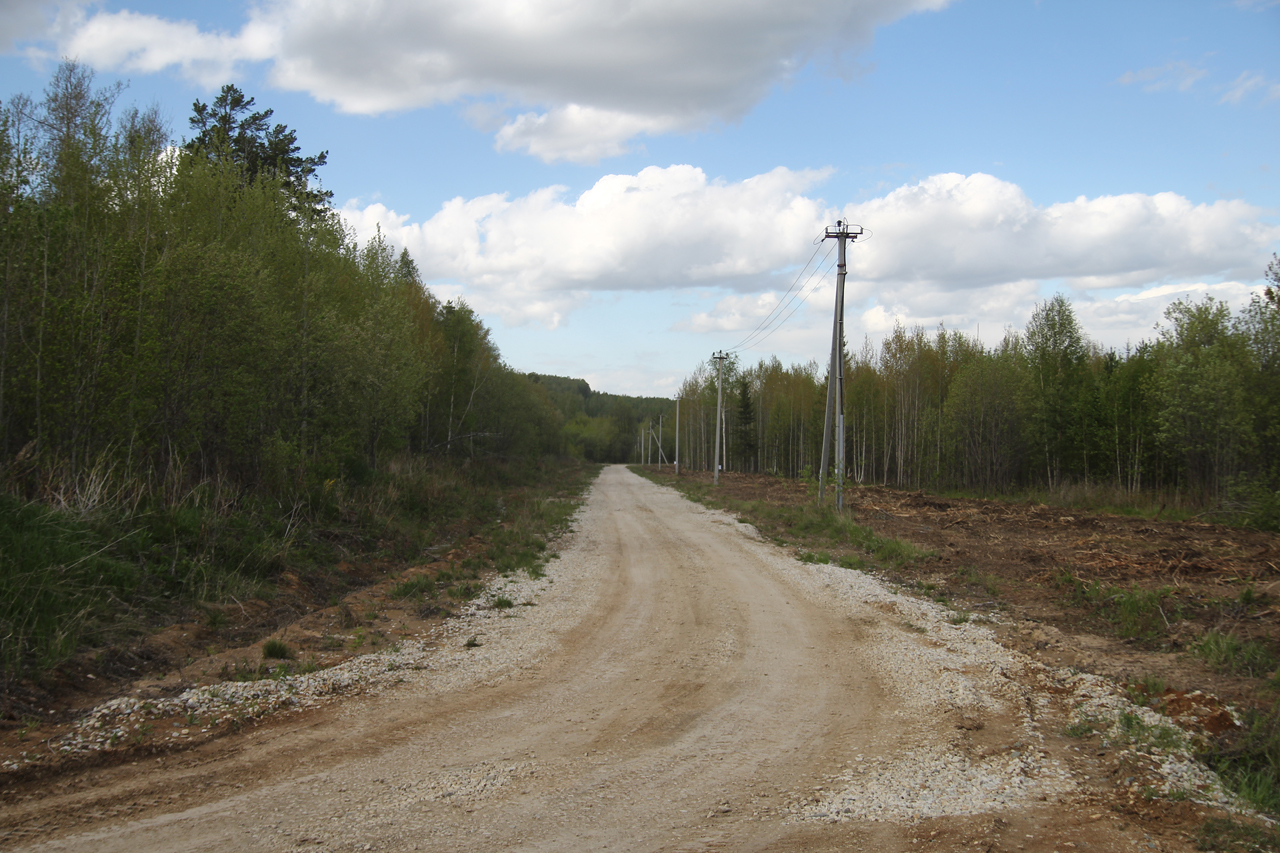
(620, 188)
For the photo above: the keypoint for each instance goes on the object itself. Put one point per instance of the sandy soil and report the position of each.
(691, 695)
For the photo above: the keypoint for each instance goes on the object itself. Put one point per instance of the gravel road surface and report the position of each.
(680, 685)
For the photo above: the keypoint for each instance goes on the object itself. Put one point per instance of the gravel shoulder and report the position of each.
(679, 684)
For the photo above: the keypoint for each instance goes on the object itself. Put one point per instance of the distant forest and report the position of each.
(1191, 416)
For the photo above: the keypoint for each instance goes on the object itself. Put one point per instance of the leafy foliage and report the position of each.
(1187, 419)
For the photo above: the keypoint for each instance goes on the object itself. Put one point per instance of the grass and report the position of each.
(423, 586)
(1094, 497)
(972, 577)
(1228, 653)
(1146, 690)
(1082, 727)
(1249, 761)
(58, 584)
(1134, 612)
(1226, 835)
(1134, 730)
(1130, 729)
(503, 603)
(107, 558)
(810, 524)
(276, 649)
(465, 591)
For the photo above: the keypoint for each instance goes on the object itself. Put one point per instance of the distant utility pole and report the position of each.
(677, 436)
(660, 454)
(835, 374)
(715, 463)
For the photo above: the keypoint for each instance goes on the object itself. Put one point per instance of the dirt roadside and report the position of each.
(688, 693)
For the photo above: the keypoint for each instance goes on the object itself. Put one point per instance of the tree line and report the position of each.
(181, 311)
(1192, 414)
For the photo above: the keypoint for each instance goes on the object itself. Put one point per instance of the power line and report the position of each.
(798, 300)
(783, 301)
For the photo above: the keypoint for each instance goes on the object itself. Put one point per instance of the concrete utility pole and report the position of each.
(660, 455)
(835, 374)
(677, 436)
(715, 463)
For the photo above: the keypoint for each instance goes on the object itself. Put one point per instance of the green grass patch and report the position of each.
(1136, 731)
(1082, 727)
(59, 584)
(1135, 612)
(1227, 835)
(420, 587)
(811, 524)
(101, 573)
(465, 591)
(1249, 760)
(1229, 653)
(276, 649)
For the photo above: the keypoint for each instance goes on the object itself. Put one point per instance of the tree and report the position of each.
(986, 417)
(1272, 291)
(1199, 384)
(1056, 350)
(744, 429)
(231, 129)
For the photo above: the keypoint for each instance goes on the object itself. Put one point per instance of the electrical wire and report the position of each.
(787, 299)
(818, 248)
(798, 302)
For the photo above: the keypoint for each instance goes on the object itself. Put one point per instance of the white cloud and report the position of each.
(956, 232)
(969, 251)
(577, 133)
(535, 257)
(1242, 86)
(1180, 75)
(734, 313)
(129, 41)
(588, 77)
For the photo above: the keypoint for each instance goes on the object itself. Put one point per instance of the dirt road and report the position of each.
(695, 689)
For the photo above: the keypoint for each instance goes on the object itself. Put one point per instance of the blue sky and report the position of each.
(620, 188)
